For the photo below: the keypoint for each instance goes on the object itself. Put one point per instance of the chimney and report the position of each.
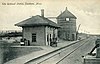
(66, 8)
(42, 12)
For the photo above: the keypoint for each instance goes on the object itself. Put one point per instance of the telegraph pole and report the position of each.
(77, 31)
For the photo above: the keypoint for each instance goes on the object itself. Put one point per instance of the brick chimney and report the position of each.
(42, 12)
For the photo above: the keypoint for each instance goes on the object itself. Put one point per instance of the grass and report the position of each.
(15, 52)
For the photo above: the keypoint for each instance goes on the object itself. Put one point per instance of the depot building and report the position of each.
(38, 29)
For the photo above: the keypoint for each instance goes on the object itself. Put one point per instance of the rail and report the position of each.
(69, 53)
(59, 52)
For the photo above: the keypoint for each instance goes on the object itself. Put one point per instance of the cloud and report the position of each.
(90, 6)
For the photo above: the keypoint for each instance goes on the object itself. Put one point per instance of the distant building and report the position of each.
(67, 21)
(38, 29)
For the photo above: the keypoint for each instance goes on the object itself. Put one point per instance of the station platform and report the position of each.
(35, 55)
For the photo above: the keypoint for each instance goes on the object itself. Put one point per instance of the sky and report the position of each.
(86, 11)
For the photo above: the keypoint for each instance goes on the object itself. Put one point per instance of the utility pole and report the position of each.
(77, 31)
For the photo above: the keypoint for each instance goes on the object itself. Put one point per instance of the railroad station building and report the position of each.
(67, 21)
(38, 29)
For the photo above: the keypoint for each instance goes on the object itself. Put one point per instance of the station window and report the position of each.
(33, 37)
(67, 19)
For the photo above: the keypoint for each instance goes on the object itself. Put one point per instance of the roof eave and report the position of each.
(17, 25)
(36, 25)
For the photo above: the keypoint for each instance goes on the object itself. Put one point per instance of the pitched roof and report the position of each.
(36, 21)
(66, 14)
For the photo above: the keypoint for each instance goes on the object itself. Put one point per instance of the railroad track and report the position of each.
(58, 53)
(70, 53)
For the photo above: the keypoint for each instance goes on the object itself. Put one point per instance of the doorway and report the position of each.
(73, 37)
